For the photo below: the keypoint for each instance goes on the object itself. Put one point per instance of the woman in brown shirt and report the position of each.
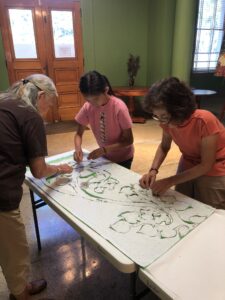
(23, 142)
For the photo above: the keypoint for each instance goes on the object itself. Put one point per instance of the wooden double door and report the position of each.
(44, 36)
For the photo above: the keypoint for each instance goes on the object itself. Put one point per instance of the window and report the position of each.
(62, 24)
(21, 21)
(209, 35)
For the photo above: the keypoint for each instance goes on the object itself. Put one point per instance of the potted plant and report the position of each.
(133, 66)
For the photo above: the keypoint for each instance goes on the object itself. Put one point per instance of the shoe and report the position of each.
(36, 286)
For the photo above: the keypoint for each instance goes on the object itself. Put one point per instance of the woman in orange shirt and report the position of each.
(200, 137)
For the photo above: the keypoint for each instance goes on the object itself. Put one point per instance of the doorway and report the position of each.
(44, 36)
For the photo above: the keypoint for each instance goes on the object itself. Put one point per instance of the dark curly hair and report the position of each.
(93, 83)
(173, 95)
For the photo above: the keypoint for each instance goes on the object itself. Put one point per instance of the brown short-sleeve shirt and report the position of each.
(22, 137)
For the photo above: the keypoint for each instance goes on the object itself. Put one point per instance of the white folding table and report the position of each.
(140, 219)
(194, 269)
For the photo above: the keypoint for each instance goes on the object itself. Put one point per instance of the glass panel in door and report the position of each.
(21, 22)
(63, 33)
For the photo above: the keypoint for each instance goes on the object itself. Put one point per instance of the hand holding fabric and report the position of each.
(64, 169)
(147, 180)
(159, 187)
(96, 153)
(78, 156)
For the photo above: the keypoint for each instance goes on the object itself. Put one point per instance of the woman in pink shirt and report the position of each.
(109, 120)
(200, 137)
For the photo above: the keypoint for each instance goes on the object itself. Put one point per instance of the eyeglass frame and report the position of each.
(164, 120)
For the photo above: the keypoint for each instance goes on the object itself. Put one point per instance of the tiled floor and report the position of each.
(60, 260)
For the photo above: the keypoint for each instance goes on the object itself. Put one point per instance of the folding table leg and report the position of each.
(35, 220)
(133, 279)
(83, 256)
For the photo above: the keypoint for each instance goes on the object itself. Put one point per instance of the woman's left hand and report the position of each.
(159, 187)
(96, 153)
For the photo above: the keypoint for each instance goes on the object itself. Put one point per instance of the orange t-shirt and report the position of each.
(188, 138)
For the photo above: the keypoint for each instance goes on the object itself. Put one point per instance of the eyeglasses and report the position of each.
(163, 119)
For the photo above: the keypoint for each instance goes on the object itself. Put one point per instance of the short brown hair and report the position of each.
(173, 95)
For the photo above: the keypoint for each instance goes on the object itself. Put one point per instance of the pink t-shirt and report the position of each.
(107, 123)
(188, 137)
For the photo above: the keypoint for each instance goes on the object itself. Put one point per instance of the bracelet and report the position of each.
(154, 169)
(104, 150)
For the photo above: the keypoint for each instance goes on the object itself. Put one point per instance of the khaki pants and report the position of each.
(14, 252)
(206, 189)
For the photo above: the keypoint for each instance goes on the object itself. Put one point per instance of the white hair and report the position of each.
(27, 89)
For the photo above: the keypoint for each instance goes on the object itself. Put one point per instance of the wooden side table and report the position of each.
(131, 92)
(199, 94)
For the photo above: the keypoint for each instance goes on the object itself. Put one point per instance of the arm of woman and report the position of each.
(40, 169)
(149, 178)
(208, 156)
(78, 154)
(126, 139)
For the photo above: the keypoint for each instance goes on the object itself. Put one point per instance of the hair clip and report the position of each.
(24, 81)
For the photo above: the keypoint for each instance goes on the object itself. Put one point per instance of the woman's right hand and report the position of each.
(64, 169)
(78, 156)
(147, 180)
